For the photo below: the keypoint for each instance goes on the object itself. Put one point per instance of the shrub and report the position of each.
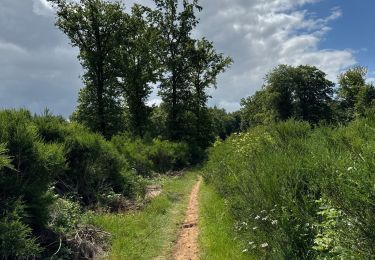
(16, 240)
(155, 155)
(35, 165)
(95, 166)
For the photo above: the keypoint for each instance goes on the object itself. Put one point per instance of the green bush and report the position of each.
(152, 156)
(167, 156)
(16, 240)
(95, 166)
(34, 165)
(298, 192)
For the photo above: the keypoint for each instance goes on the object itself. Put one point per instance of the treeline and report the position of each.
(304, 93)
(126, 55)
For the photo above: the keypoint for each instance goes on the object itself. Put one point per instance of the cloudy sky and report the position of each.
(39, 69)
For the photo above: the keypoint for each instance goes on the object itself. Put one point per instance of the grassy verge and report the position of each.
(150, 233)
(217, 238)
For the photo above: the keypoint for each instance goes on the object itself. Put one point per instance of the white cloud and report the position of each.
(259, 35)
(42, 7)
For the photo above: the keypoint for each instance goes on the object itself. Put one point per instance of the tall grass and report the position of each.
(298, 192)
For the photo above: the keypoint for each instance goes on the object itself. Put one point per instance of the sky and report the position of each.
(39, 69)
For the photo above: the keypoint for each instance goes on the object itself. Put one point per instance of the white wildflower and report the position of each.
(251, 243)
(263, 211)
(264, 245)
(245, 250)
(255, 228)
(257, 217)
(265, 218)
(274, 222)
(350, 168)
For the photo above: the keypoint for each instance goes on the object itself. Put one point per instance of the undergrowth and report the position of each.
(298, 192)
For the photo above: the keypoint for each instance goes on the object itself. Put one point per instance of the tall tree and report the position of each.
(138, 65)
(92, 26)
(206, 65)
(176, 27)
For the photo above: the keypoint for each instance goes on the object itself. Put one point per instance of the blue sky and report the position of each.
(39, 69)
(353, 30)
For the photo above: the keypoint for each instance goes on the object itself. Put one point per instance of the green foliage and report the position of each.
(5, 160)
(65, 216)
(156, 155)
(298, 192)
(34, 164)
(95, 166)
(94, 27)
(224, 124)
(301, 92)
(16, 240)
(139, 66)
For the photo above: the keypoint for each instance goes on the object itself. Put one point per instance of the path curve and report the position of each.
(187, 244)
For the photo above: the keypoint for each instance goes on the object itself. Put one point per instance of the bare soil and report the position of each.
(187, 244)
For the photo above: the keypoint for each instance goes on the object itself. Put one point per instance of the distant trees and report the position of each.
(301, 92)
(304, 93)
(355, 96)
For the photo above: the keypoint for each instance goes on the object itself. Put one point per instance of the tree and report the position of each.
(138, 66)
(301, 92)
(176, 28)
(93, 27)
(258, 109)
(354, 95)
(206, 65)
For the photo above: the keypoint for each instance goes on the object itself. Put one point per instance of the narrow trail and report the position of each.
(187, 244)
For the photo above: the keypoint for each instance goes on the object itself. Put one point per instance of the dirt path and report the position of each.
(187, 244)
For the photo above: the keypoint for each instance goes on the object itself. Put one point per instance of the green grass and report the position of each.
(150, 233)
(217, 238)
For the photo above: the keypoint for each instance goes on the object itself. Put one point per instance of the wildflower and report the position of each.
(257, 217)
(251, 243)
(265, 218)
(245, 250)
(264, 245)
(274, 222)
(263, 211)
(350, 168)
(244, 223)
(255, 228)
